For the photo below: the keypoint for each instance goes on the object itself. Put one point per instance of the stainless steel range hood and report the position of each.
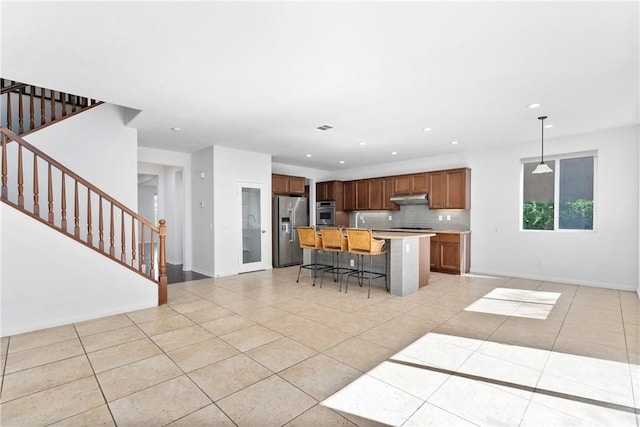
(413, 199)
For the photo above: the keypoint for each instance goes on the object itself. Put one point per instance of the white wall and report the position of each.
(606, 257)
(97, 146)
(202, 205)
(175, 205)
(146, 195)
(53, 280)
(231, 167)
(174, 209)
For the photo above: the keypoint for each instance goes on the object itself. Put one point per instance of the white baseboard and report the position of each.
(197, 270)
(556, 279)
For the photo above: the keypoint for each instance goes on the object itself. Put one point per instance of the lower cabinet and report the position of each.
(450, 253)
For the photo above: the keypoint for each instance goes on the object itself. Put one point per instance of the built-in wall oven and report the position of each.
(326, 214)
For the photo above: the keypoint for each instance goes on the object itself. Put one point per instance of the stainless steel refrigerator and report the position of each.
(288, 213)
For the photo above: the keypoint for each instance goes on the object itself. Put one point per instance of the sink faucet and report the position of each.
(359, 214)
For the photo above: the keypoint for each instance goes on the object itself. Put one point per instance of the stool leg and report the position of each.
(299, 270)
(315, 266)
(346, 285)
(386, 272)
(370, 269)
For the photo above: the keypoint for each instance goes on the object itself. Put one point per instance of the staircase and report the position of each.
(42, 188)
(29, 108)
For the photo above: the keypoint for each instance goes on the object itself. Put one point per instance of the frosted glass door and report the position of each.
(251, 226)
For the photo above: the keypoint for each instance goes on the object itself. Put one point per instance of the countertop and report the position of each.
(405, 231)
(392, 234)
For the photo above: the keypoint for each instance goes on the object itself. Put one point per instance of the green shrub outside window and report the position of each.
(561, 199)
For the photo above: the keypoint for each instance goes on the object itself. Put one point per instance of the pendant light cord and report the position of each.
(541, 118)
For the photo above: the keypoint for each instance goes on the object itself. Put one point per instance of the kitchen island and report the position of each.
(408, 256)
(407, 260)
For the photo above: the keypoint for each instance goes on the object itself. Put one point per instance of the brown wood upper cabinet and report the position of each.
(285, 184)
(450, 189)
(420, 183)
(411, 184)
(349, 196)
(387, 193)
(362, 194)
(330, 191)
(375, 194)
(402, 184)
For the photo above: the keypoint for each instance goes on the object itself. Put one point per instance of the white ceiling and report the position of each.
(262, 76)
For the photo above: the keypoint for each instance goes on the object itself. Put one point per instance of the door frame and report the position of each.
(265, 235)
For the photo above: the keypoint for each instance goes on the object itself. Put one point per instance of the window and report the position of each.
(562, 199)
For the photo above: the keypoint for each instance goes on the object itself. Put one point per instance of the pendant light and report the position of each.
(542, 167)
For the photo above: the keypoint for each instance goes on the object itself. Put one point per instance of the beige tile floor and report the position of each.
(259, 349)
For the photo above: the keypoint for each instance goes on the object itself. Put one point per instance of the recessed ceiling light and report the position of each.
(324, 127)
(548, 126)
(176, 129)
(341, 162)
(454, 142)
(393, 153)
(427, 129)
(363, 143)
(533, 105)
(308, 155)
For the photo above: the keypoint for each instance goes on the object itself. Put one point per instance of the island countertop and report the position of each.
(418, 231)
(392, 235)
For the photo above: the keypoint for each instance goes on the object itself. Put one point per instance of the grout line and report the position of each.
(95, 377)
(629, 364)
(4, 366)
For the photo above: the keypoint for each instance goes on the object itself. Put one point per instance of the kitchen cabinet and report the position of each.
(411, 184)
(349, 196)
(450, 189)
(402, 184)
(436, 190)
(387, 193)
(458, 185)
(450, 253)
(375, 194)
(330, 191)
(285, 184)
(420, 183)
(362, 194)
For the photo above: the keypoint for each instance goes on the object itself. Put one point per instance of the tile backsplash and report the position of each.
(418, 216)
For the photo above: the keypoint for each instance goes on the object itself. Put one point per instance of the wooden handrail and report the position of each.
(12, 87)
(76, 177)
(25, 180)
(24, 122)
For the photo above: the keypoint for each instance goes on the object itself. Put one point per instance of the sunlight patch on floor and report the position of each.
(516, 302)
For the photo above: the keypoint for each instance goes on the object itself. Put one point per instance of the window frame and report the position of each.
(556, 191)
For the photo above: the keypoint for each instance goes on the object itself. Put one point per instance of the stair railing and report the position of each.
(29, 108)
(92, 217)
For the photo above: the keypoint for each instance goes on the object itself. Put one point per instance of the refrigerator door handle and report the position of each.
(293, 226)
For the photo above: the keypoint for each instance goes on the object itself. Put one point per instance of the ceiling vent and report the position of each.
(324, 127)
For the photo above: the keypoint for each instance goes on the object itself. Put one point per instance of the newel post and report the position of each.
(162, 285)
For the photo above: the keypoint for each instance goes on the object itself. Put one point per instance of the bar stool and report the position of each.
(335, 243)
(310, 240)
(361, 243)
